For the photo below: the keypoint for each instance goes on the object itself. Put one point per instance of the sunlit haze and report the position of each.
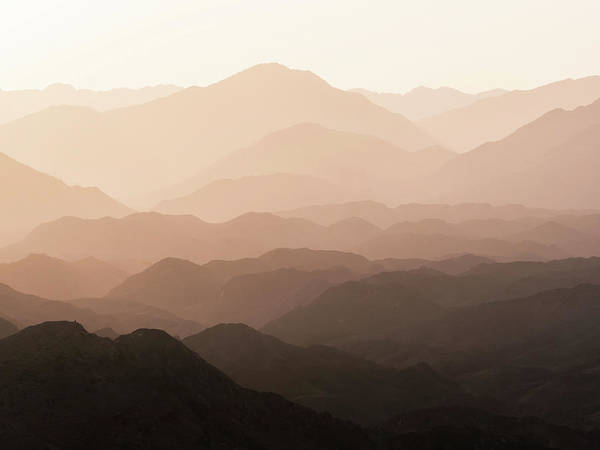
(380, 45)
(300, 224)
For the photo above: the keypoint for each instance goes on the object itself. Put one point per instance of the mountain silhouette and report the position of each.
(127, 145)
(56, 279)
(226, 199)
(352, 311)
(549, 163)
(365, 166)
(494, 118)
(144, 389)
(33, 197)
(122, 316)
(422, 102)
(367, 309)
(16, 104)
(323, 378)
(7, 328)
(254, 290)
(384, 216)
(535, 355)
(126, 315)
(138, 240)
(435, 245)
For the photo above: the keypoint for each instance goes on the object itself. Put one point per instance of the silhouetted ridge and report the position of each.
(7, 328)
(322, 377)
(144, 390)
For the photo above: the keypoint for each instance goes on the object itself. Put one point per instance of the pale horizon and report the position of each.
(399, 46)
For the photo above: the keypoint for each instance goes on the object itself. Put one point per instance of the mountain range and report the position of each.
(535, 355)
(384, 216)
(152, 392)
(323, 378)
(138, 240)
(422, 102)
(33, 197)
(494, 118)
(363, 166)
(145, 389)
(550, 162)
(127, 145)
(391, 298)
(56, 279)
(17, 104)
(226, 199)
(122, 316)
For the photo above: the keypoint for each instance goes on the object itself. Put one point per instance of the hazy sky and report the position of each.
(383, 45)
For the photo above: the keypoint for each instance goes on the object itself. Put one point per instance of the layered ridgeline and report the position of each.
(30, 197)
(7, 328)
(256, 291)
(139, 240)
(195, 125)
(552, 162)
(96, 314)
(397, 300)
(423, 102)
(536, 354)
(385, 216)
(359, 166)
(148, 390)
(494, 118)
(145, 390)
(227, 198)
(61, 280)
(20, 103)
(324, 378)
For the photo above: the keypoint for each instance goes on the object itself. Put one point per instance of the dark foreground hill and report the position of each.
(466, 428)
(61, 387)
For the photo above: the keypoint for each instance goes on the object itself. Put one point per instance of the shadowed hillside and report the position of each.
(146, 390)
(323, 378)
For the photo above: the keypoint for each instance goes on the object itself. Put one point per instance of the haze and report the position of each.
(466, 44)
(300, 225)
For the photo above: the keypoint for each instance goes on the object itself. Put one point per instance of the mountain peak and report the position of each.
(267, 75)
(53, 330)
